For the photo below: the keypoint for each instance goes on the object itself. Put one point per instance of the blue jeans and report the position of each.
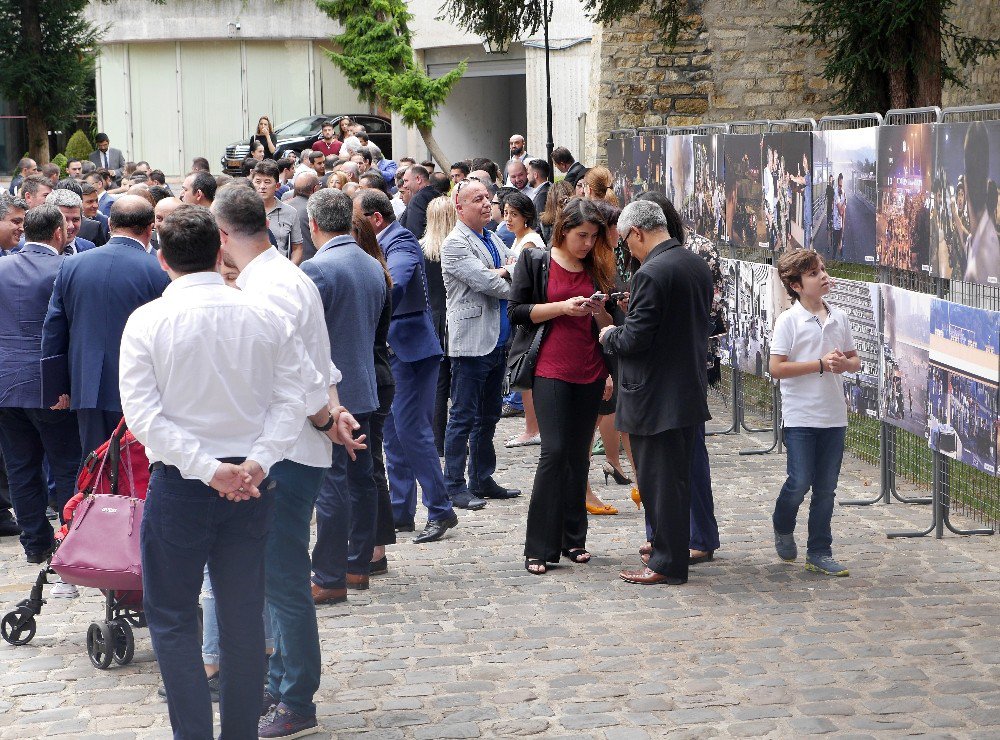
(210, 624)
(295, 663)
(814, 457)
(476, 388)
(409, 442)
(186, 524)
(346, 514)
(27, 437)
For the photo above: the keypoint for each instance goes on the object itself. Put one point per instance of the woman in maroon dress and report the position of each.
(558, 289)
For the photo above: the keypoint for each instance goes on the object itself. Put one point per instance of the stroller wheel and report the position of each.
(18, 626)
(124, 642)
(100, 644)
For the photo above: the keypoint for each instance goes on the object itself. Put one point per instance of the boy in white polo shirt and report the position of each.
(812, 346)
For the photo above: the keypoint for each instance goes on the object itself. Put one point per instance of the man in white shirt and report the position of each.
(212, 384)
(282, 287)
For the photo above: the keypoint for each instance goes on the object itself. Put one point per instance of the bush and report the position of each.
(78, 147)
(61, 160)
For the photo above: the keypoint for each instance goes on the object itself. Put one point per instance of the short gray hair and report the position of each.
(8, 201)
(643, 215)
(65, 198)
(332, 210)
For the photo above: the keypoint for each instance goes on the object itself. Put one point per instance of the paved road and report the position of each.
(459, 641)
(859, 236)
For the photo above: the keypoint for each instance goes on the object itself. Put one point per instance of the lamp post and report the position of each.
(503, 46)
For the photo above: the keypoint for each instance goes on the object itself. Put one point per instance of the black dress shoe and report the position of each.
(467, 501)
(405, 527)
(492, 489)
(51, 514)
(9, 528)
(37, 558)
(435, 530)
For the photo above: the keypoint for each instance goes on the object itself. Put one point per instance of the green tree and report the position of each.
(885, 54)
(377, 59)
(46, 63)
(78, 146)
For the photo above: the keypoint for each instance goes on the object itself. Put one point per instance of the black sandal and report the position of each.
(529, 562)
(577, 555)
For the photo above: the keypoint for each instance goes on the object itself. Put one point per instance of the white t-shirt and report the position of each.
(531, 239)
(812, 400)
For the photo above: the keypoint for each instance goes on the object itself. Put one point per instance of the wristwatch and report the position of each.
(821, 367)
(326, 427)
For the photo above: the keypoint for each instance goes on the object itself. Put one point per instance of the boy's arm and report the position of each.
(780, 367)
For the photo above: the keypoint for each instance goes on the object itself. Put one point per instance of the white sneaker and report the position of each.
(64, 591)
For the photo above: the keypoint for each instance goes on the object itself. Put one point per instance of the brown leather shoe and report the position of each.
(357, 582)
(647, 577)
(328, 595)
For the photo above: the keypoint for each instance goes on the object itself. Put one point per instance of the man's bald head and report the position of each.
(132, 216)
(164, 208)
(305, 184)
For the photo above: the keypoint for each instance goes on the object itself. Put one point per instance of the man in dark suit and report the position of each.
(29, 432)
(662, 381)
(566, 164)
(106, 157)
(538, 178)
(416, 180)
(306, 183)
(91, 213)
(94, 294)
(71, 206)
(410, 455)
(26, 167)
(353, 289)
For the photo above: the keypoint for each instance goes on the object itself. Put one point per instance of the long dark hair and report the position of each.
(674, 223)
(599, 263)
(364, 235)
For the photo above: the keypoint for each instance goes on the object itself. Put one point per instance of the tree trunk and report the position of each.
(38, 129)
(437, 153)
(926, 75)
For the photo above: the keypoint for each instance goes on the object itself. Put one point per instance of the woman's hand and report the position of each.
(601, 315)
(578, 306)
(609, 389)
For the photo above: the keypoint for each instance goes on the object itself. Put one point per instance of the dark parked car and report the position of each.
(302, 132)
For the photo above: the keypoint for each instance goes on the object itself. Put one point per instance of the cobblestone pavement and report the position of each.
(458, 641)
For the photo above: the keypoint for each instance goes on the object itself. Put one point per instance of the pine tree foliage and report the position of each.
(886, 54)
(376, 57)
(78, 146)
(46, 63)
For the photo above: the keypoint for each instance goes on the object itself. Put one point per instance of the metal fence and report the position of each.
(752, 404)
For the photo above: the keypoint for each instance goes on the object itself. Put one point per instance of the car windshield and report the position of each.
(299, 127)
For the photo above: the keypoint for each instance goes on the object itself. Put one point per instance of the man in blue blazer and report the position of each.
(353, 289)
(410, 454)
(28, 431)
(91, 214)
(95, 292)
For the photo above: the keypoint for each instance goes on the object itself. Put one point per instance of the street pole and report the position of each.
(549, 144)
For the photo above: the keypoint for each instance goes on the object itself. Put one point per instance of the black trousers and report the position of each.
(385, 528)
(663, 472)
(96, 427)
(441, 404)
(6, 508)
(557, 514)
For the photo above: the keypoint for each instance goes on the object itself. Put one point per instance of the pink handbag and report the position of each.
(101, 549)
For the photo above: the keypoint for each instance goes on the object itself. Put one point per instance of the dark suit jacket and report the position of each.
(95, 230)
(299, 204)
(26, 280)
(411, 333)
(438, 297)
(95, 292)
(541, 195)
(661, 347)
(574, 173)
(79, 245)
(116, 162)
(414, 217)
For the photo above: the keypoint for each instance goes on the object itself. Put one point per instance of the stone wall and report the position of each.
(733, 65)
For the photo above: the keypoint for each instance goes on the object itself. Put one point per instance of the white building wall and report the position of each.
(570, 74)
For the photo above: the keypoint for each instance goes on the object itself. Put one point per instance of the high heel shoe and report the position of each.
(636, 498)
(611, 472)
(607, 510)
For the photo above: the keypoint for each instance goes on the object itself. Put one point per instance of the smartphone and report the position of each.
(618, 296)
(598, 298)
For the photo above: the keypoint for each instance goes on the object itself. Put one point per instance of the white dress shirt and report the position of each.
(281, 286)
(206, 373)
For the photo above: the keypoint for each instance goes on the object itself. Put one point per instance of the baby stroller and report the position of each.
(120, 459)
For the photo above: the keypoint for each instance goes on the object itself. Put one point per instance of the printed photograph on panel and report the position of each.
(647, 164)
(860, 302)
(905, 359)
(620, 164)
(709, 207)
(678, 169)
(844, 194)
(744, 195)
(965, 241)
(905, 167)
(962, 385)
(761, 299)
(786, 181)
(727, 342)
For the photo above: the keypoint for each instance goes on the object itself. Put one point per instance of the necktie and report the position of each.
(104, 156)
(69, 249)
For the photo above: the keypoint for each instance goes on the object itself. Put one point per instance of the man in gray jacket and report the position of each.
(474, 265)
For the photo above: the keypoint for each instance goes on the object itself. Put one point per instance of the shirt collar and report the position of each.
(805, 315)
(338, 241)
(194, 279)
(38, 246)
(258, 263)
(387, 232)
(144, 247)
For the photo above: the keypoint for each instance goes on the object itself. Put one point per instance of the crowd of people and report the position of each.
(327, 336)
